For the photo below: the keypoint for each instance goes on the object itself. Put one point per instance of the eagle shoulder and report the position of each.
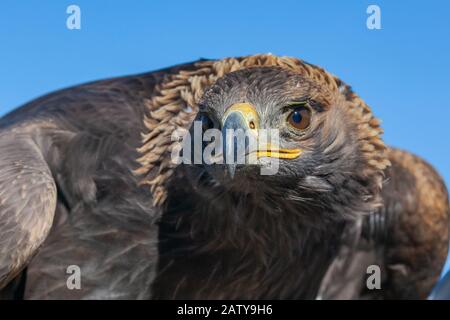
(416, 210)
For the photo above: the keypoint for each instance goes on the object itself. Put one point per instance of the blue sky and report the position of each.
(401, 70)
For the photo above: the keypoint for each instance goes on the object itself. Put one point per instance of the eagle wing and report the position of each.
(27, 199)
(67, 188)
(407, 238)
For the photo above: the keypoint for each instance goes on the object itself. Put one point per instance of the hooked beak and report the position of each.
(242, 119)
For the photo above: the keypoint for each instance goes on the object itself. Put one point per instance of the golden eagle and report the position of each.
(86, 179)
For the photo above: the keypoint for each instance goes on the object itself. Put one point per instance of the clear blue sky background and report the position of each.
(401, 71)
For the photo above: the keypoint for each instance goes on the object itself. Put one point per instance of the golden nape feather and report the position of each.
(167, 112)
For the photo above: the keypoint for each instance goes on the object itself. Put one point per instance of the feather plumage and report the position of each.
(193, 234)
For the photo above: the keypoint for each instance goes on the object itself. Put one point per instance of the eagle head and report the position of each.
(318, 163)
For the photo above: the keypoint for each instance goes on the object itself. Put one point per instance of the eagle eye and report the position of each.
(300, 117)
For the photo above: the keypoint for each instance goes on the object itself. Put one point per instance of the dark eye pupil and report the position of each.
(297, 117)
(300, 118)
